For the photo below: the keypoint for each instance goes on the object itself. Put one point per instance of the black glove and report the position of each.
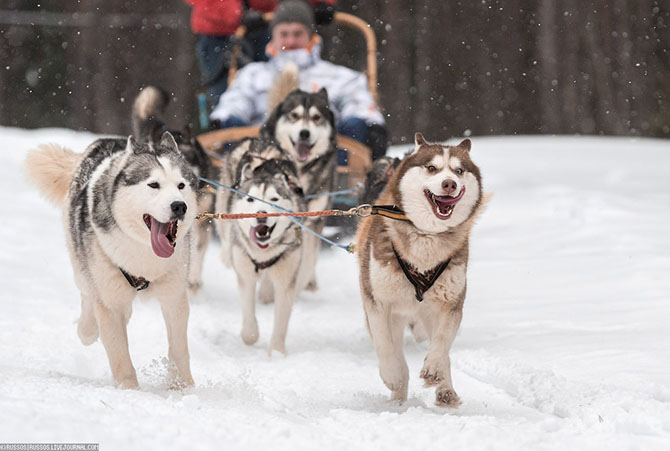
(253, 20)
(377, 140)
(214, 124)
(323, 13)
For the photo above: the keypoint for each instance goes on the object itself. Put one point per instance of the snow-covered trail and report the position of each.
(563, 343)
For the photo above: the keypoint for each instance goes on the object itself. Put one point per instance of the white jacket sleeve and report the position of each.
(239, 99)
(355, 100)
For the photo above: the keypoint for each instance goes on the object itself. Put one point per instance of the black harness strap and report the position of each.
(139, 283)
(266, 264)
(421, 281)
(389, 211)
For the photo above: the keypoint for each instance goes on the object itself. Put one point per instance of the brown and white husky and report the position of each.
(414, 271)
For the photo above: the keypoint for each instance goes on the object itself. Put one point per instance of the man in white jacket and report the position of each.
(293, 39)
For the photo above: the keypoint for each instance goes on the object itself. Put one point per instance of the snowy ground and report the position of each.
(563, 345)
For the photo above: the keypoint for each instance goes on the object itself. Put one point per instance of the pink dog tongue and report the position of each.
(446, 201)
(254, 238)
(303, 150)
(159, 242)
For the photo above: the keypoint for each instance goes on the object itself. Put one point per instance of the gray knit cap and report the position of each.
(294, 11)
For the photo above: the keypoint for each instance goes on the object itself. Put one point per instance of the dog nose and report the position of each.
(449, 186)
(262, 220)
(304, 134)
(179, 209)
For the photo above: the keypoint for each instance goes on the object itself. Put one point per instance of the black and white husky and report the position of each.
(148, 126)
(265, 251)
(304, 126)
(414, 271)
(128, 210)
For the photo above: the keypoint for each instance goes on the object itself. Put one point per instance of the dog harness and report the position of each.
(266, 264)
(139, 283)
(388, 211)
(421, 281)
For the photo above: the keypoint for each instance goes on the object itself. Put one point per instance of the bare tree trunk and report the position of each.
(606, 119)
(549, 67)
(623, 49)
(396, 74)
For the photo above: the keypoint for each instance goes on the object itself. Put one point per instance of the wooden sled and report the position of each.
(359, 160)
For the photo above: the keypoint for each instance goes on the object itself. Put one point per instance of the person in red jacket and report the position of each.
(215, 22)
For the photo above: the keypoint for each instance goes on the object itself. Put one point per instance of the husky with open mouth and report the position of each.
(128, 210)
(415, 269)
(304, 126)
(265, 250)
(148, 126)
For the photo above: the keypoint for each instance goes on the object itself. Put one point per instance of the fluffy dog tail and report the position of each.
(286, 82)
(148, 110)
(51, 169)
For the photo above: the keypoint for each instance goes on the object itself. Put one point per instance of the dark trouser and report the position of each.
(213, 54)
(353, 127)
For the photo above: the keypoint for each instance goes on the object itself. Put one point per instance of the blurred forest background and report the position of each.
(447, 68)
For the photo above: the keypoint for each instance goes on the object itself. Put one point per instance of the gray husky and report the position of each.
(128, 209)
(304, 126)
(263, 250)
(148, 126)
(414, 271)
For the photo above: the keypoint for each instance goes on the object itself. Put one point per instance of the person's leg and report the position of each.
(353, 127)
(213, 53)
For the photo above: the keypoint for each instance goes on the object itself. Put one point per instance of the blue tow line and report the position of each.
(349, 248)
(335, 193)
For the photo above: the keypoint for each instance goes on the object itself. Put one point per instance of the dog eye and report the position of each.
(431, 168)
(316, 118)
(181, 185)
(249, 199)
(154, 185)
(293, 117)
(274, 199)
(459, 171)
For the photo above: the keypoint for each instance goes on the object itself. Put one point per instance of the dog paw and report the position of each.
(87, 331)
(128, 383)
(431, 374)
(266, 297)
(447, 397)
(181, 383)
(276, 345)
(393, 376)
(400, 395)
(249, 333)
(312, 285)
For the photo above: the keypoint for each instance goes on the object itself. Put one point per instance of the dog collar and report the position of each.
(421, 281)
(139, 283)
(266, 264)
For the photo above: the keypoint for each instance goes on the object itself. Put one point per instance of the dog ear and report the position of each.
(323, 94)
(132, 146)
(419, 140)
(466, 144)
(167, 140)
(245, 173)
(270, 125)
